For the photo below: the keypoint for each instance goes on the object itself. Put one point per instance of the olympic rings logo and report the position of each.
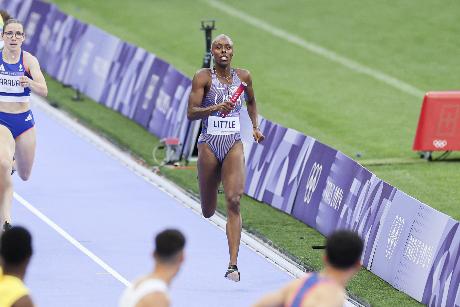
(440, 143)
(312, 181)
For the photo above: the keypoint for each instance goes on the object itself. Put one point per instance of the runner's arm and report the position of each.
(195, 111)
(37, 84)
(251, 104)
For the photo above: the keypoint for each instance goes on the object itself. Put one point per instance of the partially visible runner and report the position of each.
(325, 288)
(15, 253)
(220, 150)
(4, 16)
(152, 290)
(19, 75)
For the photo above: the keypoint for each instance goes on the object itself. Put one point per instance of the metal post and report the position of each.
(207, 26)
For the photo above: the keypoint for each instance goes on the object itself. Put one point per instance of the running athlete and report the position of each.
(152, 290)
(220, 150)
(325, 288)
(15, 253)
(19, 75)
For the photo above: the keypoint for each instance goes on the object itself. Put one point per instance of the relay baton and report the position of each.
(235, 96)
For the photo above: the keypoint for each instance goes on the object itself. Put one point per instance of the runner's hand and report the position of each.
(224, 107)
(24, 81)
(257, 134)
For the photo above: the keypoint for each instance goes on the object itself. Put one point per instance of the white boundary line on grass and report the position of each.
(316, 49)
(171, 189)
(71, 239)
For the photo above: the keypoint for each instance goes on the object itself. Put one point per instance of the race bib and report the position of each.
(9, 82)
(223, 125)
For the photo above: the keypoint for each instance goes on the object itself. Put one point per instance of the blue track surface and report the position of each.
(115, 213)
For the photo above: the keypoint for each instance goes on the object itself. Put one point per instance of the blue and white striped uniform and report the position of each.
(12, 91)
(221, 133)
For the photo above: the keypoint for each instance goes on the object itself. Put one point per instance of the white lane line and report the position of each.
(317, 49)
(71, 239)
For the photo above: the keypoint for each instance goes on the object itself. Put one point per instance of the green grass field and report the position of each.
(413, 41)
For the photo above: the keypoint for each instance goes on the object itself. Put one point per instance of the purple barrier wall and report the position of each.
(125, 78)
(166, 101)
(89, 65)
(33, 23)
(443, 282)
(274, 166)
(409, 240)
(33, 14)
(177, 112)
(150, 90)
(17, 8)
(365, 209)
(58, 41)
(315, 172)
(407, 243)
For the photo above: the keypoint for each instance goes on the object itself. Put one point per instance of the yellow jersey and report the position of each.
(11, 290)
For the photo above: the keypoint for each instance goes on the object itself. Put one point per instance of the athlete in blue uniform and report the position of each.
(325, 288)
(220, 150)
(19, 75)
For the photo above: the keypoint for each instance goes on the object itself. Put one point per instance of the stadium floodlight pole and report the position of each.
(207, 26)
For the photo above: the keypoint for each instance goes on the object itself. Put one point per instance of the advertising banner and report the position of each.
(167, 98)
(127, 75)
(317, 166)
(365, 210)
(284, 174)
(176, 118)
(33, 22)
(59, 39)
(443, 282)
(19, 9)
(150, 89)
(407, 244)
(259, 159)
(338, 185)
(90, 63)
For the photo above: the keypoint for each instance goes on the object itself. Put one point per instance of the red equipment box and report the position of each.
(439, 123)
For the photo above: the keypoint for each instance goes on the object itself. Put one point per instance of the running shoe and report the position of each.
(232, 273)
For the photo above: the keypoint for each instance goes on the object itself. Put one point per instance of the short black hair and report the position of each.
(168, 243)
(344, 249)
(15, 245)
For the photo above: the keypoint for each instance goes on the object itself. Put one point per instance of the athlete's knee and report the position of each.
(5, 165)
(233, 202)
